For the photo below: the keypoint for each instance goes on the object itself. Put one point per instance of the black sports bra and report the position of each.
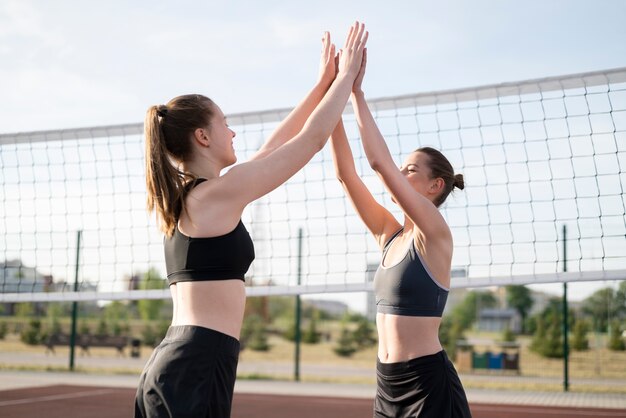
(407, 288)
(214, 258)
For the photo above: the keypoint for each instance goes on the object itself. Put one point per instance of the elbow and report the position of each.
(375, 164)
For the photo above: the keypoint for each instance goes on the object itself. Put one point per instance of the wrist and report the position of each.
(358, 94)
(324, 83)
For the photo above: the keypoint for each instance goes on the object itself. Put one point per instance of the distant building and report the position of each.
(497, 320)
(331, 307)
(15, 277)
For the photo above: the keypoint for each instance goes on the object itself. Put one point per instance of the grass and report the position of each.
(602, 365)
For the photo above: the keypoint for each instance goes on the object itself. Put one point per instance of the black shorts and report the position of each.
(425, 387)
(190, 374)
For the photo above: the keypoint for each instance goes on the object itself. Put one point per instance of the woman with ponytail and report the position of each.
(415, 377)
(207, 248)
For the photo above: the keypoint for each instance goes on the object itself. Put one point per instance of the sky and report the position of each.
(70, 63)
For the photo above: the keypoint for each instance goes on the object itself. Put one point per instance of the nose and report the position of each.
(233, 132)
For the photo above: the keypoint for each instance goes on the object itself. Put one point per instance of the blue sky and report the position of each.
(70, 63)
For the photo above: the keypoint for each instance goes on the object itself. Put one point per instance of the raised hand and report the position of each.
(328, 65)
(356, 87)
(351, 55)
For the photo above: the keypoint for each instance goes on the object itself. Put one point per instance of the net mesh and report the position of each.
(537, 155)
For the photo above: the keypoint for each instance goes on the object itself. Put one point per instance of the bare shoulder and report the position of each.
(208, 212)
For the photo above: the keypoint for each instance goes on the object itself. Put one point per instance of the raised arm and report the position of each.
(377, 219)
(418, 208)
(293, 123)
(253, 179)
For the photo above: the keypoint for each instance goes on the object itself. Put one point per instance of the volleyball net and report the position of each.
(538, 156)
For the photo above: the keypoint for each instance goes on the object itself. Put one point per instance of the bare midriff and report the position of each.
(217, 304)
(402, 338)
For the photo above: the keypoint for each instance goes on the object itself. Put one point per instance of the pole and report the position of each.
(297, 336)
(75, 304)
(565, 318)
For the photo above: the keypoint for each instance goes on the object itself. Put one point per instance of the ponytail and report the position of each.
(163, 180)
(168, 129)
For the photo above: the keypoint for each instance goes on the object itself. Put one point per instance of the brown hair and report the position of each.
(168, 130)
(441, 167)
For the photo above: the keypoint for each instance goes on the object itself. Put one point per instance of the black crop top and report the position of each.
(215, 258)
(407, 288)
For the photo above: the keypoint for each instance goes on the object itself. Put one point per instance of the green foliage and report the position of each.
(24, 309)
(290, 333)
(345, 346)
(364, 335)
(83, 328)
(466, 312)
(148, 336)
(55, 326)
(32, 335)
(530, 325)
(150, 309)
(548, 339)
(450, 333)
(3, 330)
(602, 305)
(115, 312)
(553, 347)
(579, 341)
(162, 328)
(539, 335)
(520, 299)
(508, 335)
(103, 328)
(254, 333)
(311, 334)
(616, 341)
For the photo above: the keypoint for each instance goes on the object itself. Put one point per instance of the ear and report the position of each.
(201, 137)
(437, 185)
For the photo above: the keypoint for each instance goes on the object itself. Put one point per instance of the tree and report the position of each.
(32, 335)
(363, 335)
(149, 309)
(254, 333)
(579, 340)
(601, 306)
(508, 335)
(467, 311)
(311, 334)
(548, 338)
(345, 344)
(450, 333)
(520, 299)
(616, 341)
(539, 336)
(620, 300)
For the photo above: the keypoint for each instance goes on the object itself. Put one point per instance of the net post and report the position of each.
(297, 335)
(75, 304)
(565, 318)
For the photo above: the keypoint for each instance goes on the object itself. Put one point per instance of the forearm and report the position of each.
(328, 113)
(342, 154)
(374, 144)
(296, 119)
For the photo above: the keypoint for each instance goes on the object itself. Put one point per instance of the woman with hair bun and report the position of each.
(415, 378)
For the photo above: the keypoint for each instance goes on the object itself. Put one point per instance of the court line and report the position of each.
(57, 397)
(547, 410)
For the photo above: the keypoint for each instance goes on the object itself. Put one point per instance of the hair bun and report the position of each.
(459, 182)
(161, 110)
